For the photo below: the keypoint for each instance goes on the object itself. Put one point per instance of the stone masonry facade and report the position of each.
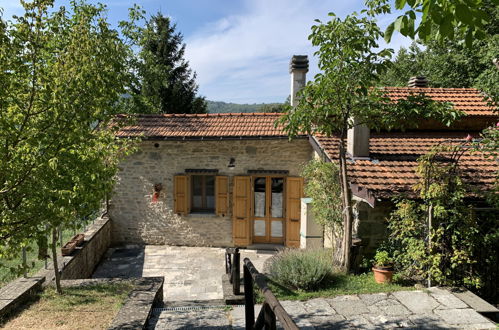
(136, 220)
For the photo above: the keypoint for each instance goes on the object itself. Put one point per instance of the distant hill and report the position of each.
(225, 107)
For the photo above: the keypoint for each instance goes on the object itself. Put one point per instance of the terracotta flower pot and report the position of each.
(383, 275)
(79, 239)
(68, 248)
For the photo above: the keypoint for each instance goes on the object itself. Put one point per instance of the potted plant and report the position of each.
(383, 267)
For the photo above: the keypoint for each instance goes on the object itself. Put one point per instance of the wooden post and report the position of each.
(236, 273)
(273, 304)
(249, 304)
(25, 263)
(269, 316)
(227, 264)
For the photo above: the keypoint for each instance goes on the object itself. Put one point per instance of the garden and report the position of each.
(307, 274)
(92, 306)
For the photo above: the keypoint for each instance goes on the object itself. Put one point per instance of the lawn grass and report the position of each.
(336, 285)
(34, 264)
(86, 307)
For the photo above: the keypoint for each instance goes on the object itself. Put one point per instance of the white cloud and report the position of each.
(244, 57)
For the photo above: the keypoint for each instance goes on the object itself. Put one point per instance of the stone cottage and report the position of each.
(234, 179)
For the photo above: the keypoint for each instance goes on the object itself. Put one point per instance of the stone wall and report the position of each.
(138, 221)
(77, 266)
(372, 226)
(84, 260)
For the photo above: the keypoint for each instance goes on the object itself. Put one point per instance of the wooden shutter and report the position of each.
(294, 193)
(241, 211)
(222, 195)
(181, 194)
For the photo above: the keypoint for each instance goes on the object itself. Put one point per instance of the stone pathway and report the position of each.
(192, 274)
(193, 296)
(430, 309)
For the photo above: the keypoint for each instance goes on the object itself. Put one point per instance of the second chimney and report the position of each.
(298, 67)
(420, 82)
(358, 140)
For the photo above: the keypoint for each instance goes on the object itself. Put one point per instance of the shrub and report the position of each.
(300, 269)
(382, 259)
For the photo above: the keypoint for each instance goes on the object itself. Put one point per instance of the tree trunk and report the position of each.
(347, 207)
(54, 262)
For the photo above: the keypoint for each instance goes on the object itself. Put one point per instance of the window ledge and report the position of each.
(202, 215)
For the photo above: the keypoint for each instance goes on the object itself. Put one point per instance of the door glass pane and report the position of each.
(210, 192)
(276, 228)
(259, 228)
(277, 190)
(197, 192)
(259, 187)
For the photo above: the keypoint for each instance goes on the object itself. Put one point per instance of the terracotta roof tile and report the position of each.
(202, 125)
(469, 100)
(393, 161)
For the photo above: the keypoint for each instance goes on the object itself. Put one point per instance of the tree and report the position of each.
(440, 20)
(61, 75)
(450, 63)
(341, 96)
(163, 81)
(272, 107)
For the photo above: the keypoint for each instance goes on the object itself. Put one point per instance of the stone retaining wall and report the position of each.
(84, 260)
(80, 265)
(136, 220)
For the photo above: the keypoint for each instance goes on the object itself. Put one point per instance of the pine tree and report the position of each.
(164, 81)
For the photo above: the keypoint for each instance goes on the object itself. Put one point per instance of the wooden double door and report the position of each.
(266, 209)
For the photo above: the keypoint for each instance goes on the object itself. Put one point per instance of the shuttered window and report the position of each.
(201, 193)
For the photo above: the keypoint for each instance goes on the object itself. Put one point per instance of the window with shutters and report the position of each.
(203, 193)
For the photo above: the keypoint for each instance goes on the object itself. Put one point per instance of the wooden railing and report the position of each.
(271, 308)
(233, 268)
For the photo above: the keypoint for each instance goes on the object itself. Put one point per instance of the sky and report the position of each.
(240, 49)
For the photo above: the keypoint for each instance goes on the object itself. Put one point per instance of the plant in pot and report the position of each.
(383, 267)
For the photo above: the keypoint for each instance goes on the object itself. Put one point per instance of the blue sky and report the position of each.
(240, 49)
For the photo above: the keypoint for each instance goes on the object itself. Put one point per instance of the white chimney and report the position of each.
(358, 140)
(298, 67)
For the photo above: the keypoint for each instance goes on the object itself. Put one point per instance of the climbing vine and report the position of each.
(436, 236)
(323, 186)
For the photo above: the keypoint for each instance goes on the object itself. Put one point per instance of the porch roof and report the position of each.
(392, 162)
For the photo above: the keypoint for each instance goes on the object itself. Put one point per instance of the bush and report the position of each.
(300, 269)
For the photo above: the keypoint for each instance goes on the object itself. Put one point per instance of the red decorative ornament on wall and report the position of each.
(157, 189)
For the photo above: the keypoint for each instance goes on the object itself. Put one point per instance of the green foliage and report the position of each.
(450, 63)
(335, 285)
(342, 95)
(383, 259)
(272, 107)
(350, 67)
(300, 269)
(163, 81)
(323, 186)
(61, 75)
(439, 19)
(437, 236)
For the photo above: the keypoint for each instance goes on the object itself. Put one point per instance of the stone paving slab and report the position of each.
(190, 273)
(429, 309)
